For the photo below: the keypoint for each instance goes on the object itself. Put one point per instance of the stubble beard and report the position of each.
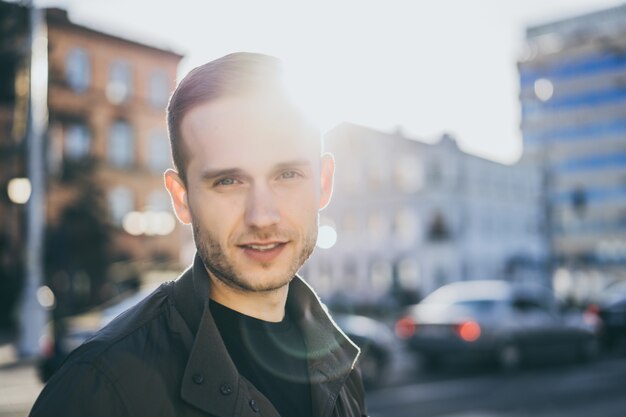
(217, 263)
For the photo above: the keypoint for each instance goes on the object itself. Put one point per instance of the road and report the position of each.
(575, 390)
(19, 387)
(588, 390)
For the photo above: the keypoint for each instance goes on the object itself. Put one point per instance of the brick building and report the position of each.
(106, 111)
(106, 99)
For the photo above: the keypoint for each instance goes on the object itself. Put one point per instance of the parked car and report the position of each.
(78, 329)
(376, 341)
(610, 310)
(54, 351)
(494, 320)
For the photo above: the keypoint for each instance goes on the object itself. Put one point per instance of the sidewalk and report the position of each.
(8, 355)
(19, 383)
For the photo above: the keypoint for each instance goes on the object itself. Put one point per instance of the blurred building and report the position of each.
(411, 216)
(106, 121)
(14, 57)
(107, 98)
(573, 95)
(14, 54)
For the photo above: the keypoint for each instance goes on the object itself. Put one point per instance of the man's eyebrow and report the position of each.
(215, 173)
(210, 174)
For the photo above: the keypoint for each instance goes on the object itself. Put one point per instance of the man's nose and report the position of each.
(261, 210)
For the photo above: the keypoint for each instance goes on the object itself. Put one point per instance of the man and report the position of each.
(238, 334)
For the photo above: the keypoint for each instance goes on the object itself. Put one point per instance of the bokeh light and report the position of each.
(134, 223)
(149, 223)
(46, 297)
(544, 89)
(19, 190)
(326, 237)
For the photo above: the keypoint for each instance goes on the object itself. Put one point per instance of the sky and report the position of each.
(425, 67)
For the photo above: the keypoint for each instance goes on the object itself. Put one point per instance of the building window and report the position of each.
(159, 90)
(121, 202)
(350, 270)
(409, 174)
(377, 174)
(409, 276)
(381, 277)
(351, 176)
(77, 141)
(579, 200)
(158, 151)
(119, 87)
(438, 229)
(406, 226)
(350, 223)
(121, 150)
(78, 69)
(435, 172)
(378, 227)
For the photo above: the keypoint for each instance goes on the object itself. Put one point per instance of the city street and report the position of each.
(594, 389)
(19, 387)
(469, 203)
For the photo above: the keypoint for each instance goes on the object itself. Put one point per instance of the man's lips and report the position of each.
(262, 246)
(263, 252)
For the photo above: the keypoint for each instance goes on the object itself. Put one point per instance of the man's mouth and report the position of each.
(263, 252)
(262, 247)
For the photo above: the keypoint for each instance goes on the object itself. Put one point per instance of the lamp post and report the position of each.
(33, 314)
(544, 90)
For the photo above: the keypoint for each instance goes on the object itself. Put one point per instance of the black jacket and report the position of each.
(165, 357)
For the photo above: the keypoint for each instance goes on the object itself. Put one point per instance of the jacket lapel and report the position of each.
(331, 354)
(209, 367)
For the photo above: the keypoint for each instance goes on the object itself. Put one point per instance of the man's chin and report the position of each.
(258, 284)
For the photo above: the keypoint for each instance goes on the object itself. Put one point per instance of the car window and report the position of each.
(469, 291)
(477, 306)
(528, 305)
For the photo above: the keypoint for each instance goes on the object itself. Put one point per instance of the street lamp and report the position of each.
(19, 190)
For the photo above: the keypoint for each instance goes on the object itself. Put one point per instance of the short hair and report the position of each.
(236, 73)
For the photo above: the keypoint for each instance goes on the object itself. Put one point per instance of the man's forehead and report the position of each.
(253, 125)
(250, 106)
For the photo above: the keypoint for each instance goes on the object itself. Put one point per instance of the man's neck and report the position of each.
(263, 305)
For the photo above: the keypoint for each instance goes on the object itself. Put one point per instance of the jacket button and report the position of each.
(254, 406)
(226, 389)
(198, 378)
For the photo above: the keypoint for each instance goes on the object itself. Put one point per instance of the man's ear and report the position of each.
(327, 172)
(178, 193)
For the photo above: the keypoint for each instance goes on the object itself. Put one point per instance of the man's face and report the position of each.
(255, 183)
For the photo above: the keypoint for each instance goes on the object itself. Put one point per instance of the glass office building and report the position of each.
(573, 103)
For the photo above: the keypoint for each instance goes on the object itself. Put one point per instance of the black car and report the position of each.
(376, 341)
(493, 320)
(77, 329)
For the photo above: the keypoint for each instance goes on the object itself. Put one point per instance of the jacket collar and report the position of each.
(331, 355)
(209, 366)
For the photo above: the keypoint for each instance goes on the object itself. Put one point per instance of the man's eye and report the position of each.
(225, 181)
(289, 175)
